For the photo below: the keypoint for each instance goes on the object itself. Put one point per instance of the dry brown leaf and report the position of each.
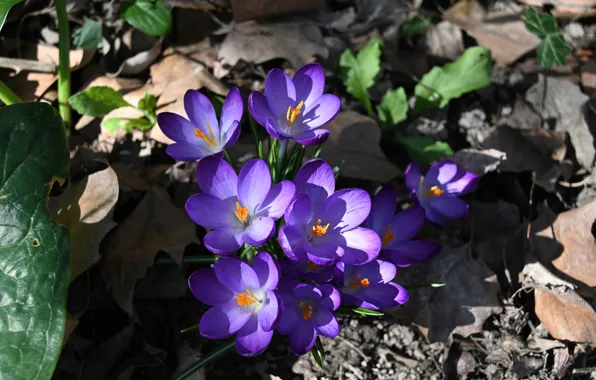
(259, 9)
(444, 40)
(71, 323)
(566, 315)
(155, 225)
(529, 150)
(566, 242)
(468, 298)
(354, 139)
(479, 162)
(505, 35)
(298, 42)
(85, 208)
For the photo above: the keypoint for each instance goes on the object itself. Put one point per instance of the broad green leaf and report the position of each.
(88, 36)
(470, 72)
(115, 123)
(152, 17)
(416, 25)
(364, 311)
(425, 150)
(394, 107)
(147, 103)
(97, 101)
(34, 250)
(5, 6)
(553, 49)
(318, 353)
(359, 71)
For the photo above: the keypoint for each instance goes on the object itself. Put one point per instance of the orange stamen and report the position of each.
(434, 191)
(311, 265)
(209, 140)
(293, 113)
(241, 212)
(357, 282)
(318, 230)
(387, 236)
(246, 299)
(306, 310)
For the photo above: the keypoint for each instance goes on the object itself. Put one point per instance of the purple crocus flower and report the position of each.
(202, 135)
(369, 285)
(396, 231)
(308, 312)
(295, 108)
(438, 191)
(306, 271)
(323, 225)
(238, 208)
(243, 299)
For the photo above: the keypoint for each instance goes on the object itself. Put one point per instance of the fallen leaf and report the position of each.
(354, 139)
(155, 225)
(444, 40)
(469, 297)
(85, 208)
(298, 42)
(260, 9)
(566, 242)
(504, 34)
(100, 362)
(71, 324)
(528, 150)
(565, 315)
(479, 162)
(564, 105)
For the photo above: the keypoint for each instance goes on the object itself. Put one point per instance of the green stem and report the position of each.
(368, 106)
(255, 135)
(189, 260)
(422, 286)
(190, 329)
(64, 63)
(7, 96)
(229, 158)
(281, 154)
(221, 351)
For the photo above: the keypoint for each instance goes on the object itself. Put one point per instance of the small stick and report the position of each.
(19, 65)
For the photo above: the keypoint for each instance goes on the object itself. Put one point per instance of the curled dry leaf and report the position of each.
(298, 42)
(354, 139)
(259, 9)
(528, 150)
(468, 298)
(566, 315)
(155, 225)
(566, 243)
(85, 208)
(505, 35)
(479, 162)
(444, 40)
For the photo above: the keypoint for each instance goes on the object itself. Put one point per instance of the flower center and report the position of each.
(434, 191)
(209, 140)
(306, 310)
(241, 212)
(357, 282)
(246, 299)
(318, 230)
(311, 265)
(387, 236)
(293, 113)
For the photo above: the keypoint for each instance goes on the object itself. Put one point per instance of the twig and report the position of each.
(19, 65)
(583, 182)
(364, 356)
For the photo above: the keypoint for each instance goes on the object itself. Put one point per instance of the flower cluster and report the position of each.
(305, 248)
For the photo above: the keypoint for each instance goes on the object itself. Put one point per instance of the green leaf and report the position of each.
(97, 101)
(359, 72)
(359, 311)
(424, 150)
(468, 73)
(394, 107)
(318, 353)
(423, 286)
(115, 123)
(553, 49)
(416, 26)
(88, 36)
(147, 103)
(34, 250)
(5, 6)
(150, 17)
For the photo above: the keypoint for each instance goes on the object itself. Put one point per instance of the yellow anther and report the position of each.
(387, 236)
(434, 191)
(246, 299)
(241, 212)
(318, 230)
(357, 282)
(209, 140)
(293, 113)
(311, 265)
(306, 310)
